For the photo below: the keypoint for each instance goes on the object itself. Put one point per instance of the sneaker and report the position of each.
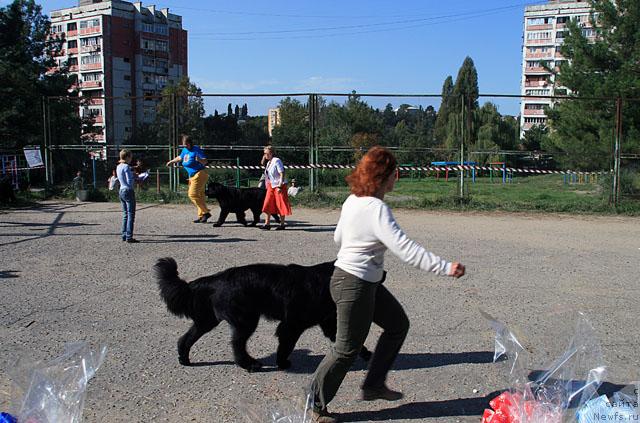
(132, 241)
(322, 416)
(205, 217)
(372, 394)
(198, 220)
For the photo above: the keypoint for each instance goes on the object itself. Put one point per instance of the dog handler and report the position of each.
(194, 161)
(127, 195)
(277, 200)
(366, 229)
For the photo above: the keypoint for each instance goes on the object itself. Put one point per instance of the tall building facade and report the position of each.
(120, 49)
(273, 119)
(544, 29)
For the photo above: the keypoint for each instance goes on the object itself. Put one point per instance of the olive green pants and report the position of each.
(359, 303)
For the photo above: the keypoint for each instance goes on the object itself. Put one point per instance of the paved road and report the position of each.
(65, 275)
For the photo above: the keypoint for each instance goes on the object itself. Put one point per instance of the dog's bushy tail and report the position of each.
(175, 292)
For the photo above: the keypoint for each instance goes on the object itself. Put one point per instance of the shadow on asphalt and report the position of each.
(9, 274)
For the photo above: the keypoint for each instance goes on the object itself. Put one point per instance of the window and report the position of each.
(148, 78)
(90, 42)
(535, 120)
(162, 29)
(146, 44)
(162, 46)
(127, 77)
(91, 23)
(91, 59)
(127, 129)
(562, 19)
(161, 80)
(147, 27)
(55, 29)
(539, 21)
(72, 26)
(73, 61)
(544, 35)
(148, 61)
(127, 112)
(561, 91)
(588, 32)
(537, 92)
(72, 44)
(560, 34)
(533, 106)
(90, 112)
(126, 60)
(93, 76)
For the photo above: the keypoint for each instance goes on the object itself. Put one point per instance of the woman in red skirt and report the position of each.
(277, 200)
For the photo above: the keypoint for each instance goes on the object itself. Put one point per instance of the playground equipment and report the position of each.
(446, 165)
(10, 168)
(507, 176)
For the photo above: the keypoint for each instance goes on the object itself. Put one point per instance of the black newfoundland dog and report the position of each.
(238, 200)
(297, 296)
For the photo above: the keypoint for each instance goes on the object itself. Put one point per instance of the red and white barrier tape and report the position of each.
(423, 168)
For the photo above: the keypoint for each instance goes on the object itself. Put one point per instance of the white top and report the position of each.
(274, 172)
(366, 229)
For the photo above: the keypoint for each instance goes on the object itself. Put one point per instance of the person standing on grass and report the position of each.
(194, 161)
(127, 195)
(277, 200)
(366, 229)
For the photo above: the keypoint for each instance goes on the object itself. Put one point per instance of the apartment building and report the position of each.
(544, 29)
(273, 119)
(120, 49)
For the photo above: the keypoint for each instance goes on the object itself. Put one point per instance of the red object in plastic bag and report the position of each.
(502, 406)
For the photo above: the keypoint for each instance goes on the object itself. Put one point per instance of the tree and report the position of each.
(244, 112)
(26, 57)
(444, 111)
(236, 112)
(229, 110)
(604, 67)
(535, 138)
(293, 129)
(190, 109)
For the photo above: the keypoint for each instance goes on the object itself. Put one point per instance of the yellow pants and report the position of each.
(197, 185)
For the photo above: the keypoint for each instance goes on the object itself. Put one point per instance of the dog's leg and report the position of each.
(241, 219)
(223, 216)
(288, 336)
(256, 216)
(187, 340)
(241, 332)
(329, 330)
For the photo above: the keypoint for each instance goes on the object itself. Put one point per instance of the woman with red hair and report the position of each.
(366, 229)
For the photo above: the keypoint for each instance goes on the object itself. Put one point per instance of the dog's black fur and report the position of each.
(297, 296)
(6, 190)
(238, 200)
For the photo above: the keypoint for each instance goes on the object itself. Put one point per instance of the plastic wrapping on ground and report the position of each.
(55, 391)
(293, 410)
(570, 381)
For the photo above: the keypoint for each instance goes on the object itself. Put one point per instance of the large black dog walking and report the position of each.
(297, 296)
(238, 200)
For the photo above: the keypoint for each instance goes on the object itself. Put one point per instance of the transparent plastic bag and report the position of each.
(294, 410)
(570, 381)
(55, 391)
(623, 407)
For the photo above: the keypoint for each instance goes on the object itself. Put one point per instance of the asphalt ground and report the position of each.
(65, 276)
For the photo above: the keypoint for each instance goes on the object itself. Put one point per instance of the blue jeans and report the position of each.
(128, 201)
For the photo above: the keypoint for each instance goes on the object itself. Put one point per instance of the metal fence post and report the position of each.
(462, 134)
(312, 122)
(44, 139)
(616, 154)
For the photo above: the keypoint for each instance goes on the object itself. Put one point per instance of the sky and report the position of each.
(371, 46)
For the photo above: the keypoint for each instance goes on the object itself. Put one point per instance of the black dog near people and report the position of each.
(297, 296)
(238, 200)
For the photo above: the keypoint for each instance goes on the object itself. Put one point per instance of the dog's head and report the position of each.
(214, 189)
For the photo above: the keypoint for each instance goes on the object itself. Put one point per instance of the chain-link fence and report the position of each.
(488, 149)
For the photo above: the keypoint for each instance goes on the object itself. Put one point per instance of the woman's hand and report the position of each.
(457, 269)
(169, 163)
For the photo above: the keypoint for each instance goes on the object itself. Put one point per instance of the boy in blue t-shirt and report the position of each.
(194, 161)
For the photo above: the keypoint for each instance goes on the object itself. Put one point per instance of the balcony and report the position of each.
(95, 101)
(73, 33)
(149, 86)
(534, 112)
(547, 55)
(72, 50)
(545, 41)
(91, 66)
(539, 27)
(162, 54)
(98, 119)
(536, 69)
(73, 68)
(92, 30)
(91, 84)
